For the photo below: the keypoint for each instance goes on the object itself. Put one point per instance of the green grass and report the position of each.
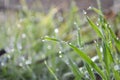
(52, 47)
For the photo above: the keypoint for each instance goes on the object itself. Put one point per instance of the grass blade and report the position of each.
(90, 72)
(51, 71)
(74, 68)
(117, 42)
(96, 29)
(107, 57)
(51, 39)
(88, 60)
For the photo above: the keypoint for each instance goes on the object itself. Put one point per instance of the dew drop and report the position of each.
(12, 50)
(75, 23)
(60, 56)
(2, 64)
(90, 7)
(84, 12)
(110, 42)
(117, 67)
(8, 56)
(56, 30)
(70, 43)
(23, 35)
(22, 58)
(45, 62)
(117, 38)
(20, 64)
(95, 41)
(60, 52)
(97, 24)
(21, 20)
(49, 47)
(28, 62)
(18, 25)
(43, 40)
(101, 49)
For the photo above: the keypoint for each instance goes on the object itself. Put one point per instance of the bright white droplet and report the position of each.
(49, 47)
(95, 41)
(2, 64)
(23, 35)
(117, 38)
(20, 64)
(60, 56)
(12, 50)
(89, 8)
(117, 67)
(75, 23)
(84, 12)
(97, 24)
(28, 62)
(8, 56)
(43, 40)
(101, 49)
(60, 52)
(56, 30)
(19, 25)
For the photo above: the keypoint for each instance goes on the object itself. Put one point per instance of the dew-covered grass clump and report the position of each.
(59, 46)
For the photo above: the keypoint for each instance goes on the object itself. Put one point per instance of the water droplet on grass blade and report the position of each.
(84, 12)
(23, 35)
(117, 38)
(97, 24)
(117, 67)
(49, 47)
(8, 56)
(56, 30)
(60, 52)
(19, 25)
(101, 49)
(60, 56)
(20, 64)
(28, 62)
(2, 64)
(43, 40)
(89, 8)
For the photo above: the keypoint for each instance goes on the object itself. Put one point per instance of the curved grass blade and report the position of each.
(51, 71)
(96, 29)
(90, 72)
(117, 42)
(75, 69)
(88, 60)
(99, 12)
(51, 39)
(108, 58)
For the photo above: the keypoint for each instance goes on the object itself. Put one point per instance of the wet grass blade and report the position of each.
(116, 75)
(88, 60)
(96, 29)
(51, 39)
(90, 72)
(75, 69)
(107, 57)
(51, 71)
(117, 41)
(97, 11)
